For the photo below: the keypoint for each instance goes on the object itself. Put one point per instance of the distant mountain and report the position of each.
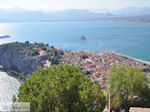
(21, 15)
(75, 14)
(16, 9)
(128, 11)
(125, 14)
(99, 10)
(132, 11)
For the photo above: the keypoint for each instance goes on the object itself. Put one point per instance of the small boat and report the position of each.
(4, 36)
(83, 38)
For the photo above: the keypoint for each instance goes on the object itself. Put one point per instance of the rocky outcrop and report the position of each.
(16, 57)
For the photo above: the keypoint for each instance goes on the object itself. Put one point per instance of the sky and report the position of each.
(77, 4)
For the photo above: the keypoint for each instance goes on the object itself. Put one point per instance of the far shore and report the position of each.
(121, 21)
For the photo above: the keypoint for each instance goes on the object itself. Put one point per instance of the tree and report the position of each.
(62, 88)
(47, 45)
(14, 99)
(125, 83)
(27, 42)
(34, 53)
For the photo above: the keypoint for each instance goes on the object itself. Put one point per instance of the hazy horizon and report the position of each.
(78, 4)
(68, 8)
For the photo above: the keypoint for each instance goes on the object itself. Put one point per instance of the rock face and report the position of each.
(17, 57)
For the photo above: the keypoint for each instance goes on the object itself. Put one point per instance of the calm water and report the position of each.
(127, 38)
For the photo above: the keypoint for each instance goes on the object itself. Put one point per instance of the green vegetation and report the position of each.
(48, 51)
(42, 46)
(27, 42)
(26, 48)
(24, 58)
(128, 86)
(34, 53)
(54, 60)
(62, 88)
(14, 99)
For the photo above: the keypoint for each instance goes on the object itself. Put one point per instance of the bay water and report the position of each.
(131, 39)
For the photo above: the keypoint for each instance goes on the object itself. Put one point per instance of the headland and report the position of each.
(21, 59)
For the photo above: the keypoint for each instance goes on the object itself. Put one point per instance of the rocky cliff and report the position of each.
(25, 57)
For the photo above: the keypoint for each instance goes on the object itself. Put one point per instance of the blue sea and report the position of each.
(131, 39)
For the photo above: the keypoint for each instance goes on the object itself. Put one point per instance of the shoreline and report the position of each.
(100, 52)
(11, 75)
(133, 58)
(124, 21)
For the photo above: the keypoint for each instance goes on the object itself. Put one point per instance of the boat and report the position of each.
(4, 36)
(83, 38)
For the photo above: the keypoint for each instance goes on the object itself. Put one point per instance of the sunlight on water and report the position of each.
(8, 87)
(6, 29)
(130, 39)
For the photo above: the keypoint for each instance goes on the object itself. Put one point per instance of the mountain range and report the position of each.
(128, 11)
(23, 15)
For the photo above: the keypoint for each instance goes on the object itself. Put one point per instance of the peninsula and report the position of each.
(21, 59)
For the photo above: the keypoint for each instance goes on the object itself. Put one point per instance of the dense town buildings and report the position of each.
(94, 65)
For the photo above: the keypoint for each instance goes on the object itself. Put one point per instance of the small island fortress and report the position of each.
(83, 38)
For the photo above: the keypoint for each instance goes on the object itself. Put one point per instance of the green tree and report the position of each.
(126, 85)
(14, 99)
(62, 88)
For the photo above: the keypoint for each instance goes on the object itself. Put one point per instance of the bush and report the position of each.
(49, 58)
(62, 88)
(27, 42)
(44, 48)
(48, 51)
(55, 60)
(34, 53)
(126, 82)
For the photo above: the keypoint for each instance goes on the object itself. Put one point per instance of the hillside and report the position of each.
(24, 58)
(21, 59)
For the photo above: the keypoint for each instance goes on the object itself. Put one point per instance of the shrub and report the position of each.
(62, 88)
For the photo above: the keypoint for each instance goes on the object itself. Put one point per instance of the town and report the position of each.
(95, 65)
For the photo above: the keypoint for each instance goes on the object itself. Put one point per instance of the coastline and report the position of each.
(135, 59)
(11, 75)
(135, 22)
(96, 64)
(9, 86)
(123, 21)
(93, 63)
(101, 52)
